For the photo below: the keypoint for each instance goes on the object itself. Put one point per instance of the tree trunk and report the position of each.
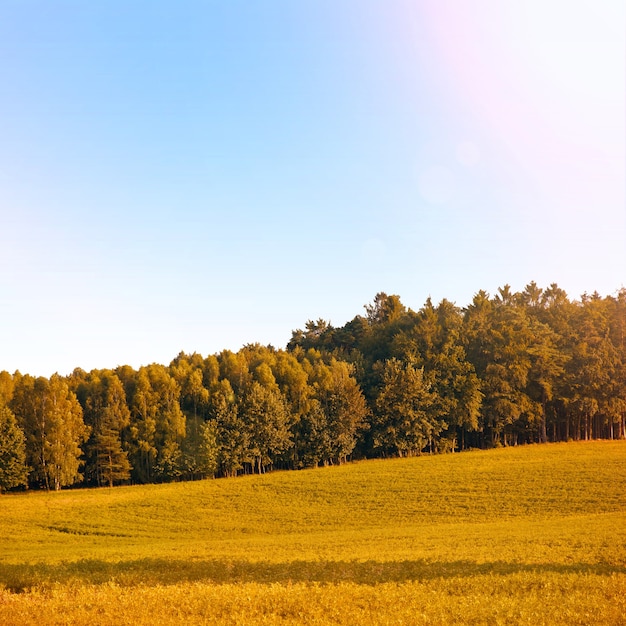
(543, 434)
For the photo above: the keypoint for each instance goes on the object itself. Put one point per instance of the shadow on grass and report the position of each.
(19, 578)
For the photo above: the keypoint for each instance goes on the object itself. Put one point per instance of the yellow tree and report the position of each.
(52, 420)
(157, 424)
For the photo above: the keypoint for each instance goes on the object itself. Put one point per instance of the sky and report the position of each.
(199, 175)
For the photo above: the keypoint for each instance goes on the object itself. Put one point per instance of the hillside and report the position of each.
(553, 512)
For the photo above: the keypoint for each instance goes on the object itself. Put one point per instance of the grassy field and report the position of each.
(529, 535)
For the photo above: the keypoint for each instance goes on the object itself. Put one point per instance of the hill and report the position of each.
(535, 533)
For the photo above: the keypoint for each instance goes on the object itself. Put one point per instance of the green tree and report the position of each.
(434, 342)
(13, 470)
(546, 370)
(404, 423)
(318, 335)
(105, 411)
(232, 437)
(199, 447)
(499, 339)
(157, 426)
(208, 451)
(594, 367)
(52, 421)
(384, 309)
(344, 404)
(313, 442)
(265, 416)
(143, 407)
(617, 325)
(170, 423)
(387, 317)
(558, 313)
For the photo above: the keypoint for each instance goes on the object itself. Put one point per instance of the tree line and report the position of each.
(511, 369)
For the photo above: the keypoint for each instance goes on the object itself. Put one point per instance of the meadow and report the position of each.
(524, 535)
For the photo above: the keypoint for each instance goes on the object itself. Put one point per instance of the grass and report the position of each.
(533, 534)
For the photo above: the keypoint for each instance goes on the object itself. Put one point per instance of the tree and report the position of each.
(232, 437)
(170, 424)
(557, 312)
(531, 296)
(387, 318)
(103, 399)
(313, 442)
(207, 452)
(546, 369)
(52, 421)
(7, 384)
(318, 335)
(384, 309)
(292, 380)
(264, 414)
(499, 338)
(403, 420)
(188, 373)
(617, 323)
(234, 368)
(594, 367)
(345, 408)
(143, 409)
(157, 426)
(13, 471)
(434, 342)
(199, 447)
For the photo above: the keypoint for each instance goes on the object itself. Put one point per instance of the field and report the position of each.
(528, 535)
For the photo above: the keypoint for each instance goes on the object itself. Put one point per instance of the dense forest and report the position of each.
(510, 369)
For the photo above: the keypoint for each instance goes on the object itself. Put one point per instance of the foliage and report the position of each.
(341, 406)
(404, 423)
(516, 368)
(52, 420)
(264, 414)
(157, 425)
(13, 471)
(106, 413)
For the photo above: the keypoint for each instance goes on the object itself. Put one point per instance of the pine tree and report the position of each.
(106, 413)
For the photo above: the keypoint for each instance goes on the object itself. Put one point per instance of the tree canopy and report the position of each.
(508, 369)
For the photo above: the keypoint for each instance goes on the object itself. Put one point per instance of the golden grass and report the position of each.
(518, 535)
(521, 598)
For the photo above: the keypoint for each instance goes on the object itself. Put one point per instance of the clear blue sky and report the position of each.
(201, 175)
